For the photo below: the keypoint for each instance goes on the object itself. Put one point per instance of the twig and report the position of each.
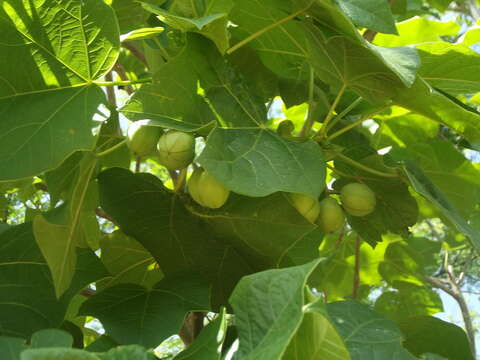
(135, 52)
(111, 90)
(365, 168)
(138, 162)
(331, 112)
(120, 70)
(452, 287)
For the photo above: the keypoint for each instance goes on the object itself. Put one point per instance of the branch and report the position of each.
(135, 52)
(120, 70)
(452, 288)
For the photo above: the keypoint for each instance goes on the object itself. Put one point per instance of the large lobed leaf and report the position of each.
(47, 99)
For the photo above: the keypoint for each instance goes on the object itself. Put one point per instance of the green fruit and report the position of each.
(358, 199)
(207, 191)
(142, 139)
(331, 216)
(176, 150)
(306, 205)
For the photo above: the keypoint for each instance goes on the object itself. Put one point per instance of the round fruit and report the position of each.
(142, 139)
(331, 216)
(207, 191)
(358, 199)
(176, 150)
(306, 205)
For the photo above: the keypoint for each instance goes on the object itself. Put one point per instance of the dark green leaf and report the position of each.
(132, 314)
(372, 14)
(367, 334)
(426, 334)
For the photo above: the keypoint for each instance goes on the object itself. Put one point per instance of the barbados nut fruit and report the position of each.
(207, 191)
(176, 150)
(142, 139)
(331, 217)
(306, 205)
(358, 199)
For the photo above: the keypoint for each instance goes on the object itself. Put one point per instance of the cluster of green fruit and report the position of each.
(357, 200)
(176, 150)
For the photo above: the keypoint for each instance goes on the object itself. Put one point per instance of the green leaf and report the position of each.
(130, 14)
(283, 48)
(426, 334)
(410, 300)
(316, 338)
(268, 309)
(57, 354)
(259, 162)
(208, 345)
(401, 264)
(418, 30)
(47, 100)
(171, 100)
(11, 347)
(424, 186)
(450, 67)
(40, 130)
(178, 240)
(268, 231)
(209, 19)
(128, 262)
(51, 338)
(372, 14)
(130, 352)
(132, 314)
(27, 287)
(367, 334)
(423, 99)
(58, 239)
(448, 169)
(380, 73)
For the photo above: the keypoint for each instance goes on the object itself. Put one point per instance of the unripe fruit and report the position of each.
(207, 191)
(306, 205)
(358, 199)
(331, 216)
(176, 150)
(142, 139)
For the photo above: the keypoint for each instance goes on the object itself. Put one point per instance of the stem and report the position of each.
(365, 168)
(264, 30)
(180, 180)
(120, 70)
(356, 123)
(135, 52)
(307, 126)
(344, 112)
(122, 83)
(110, 90)
(356, 273)
(110, 150)
(138, 162)
(331, 111)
